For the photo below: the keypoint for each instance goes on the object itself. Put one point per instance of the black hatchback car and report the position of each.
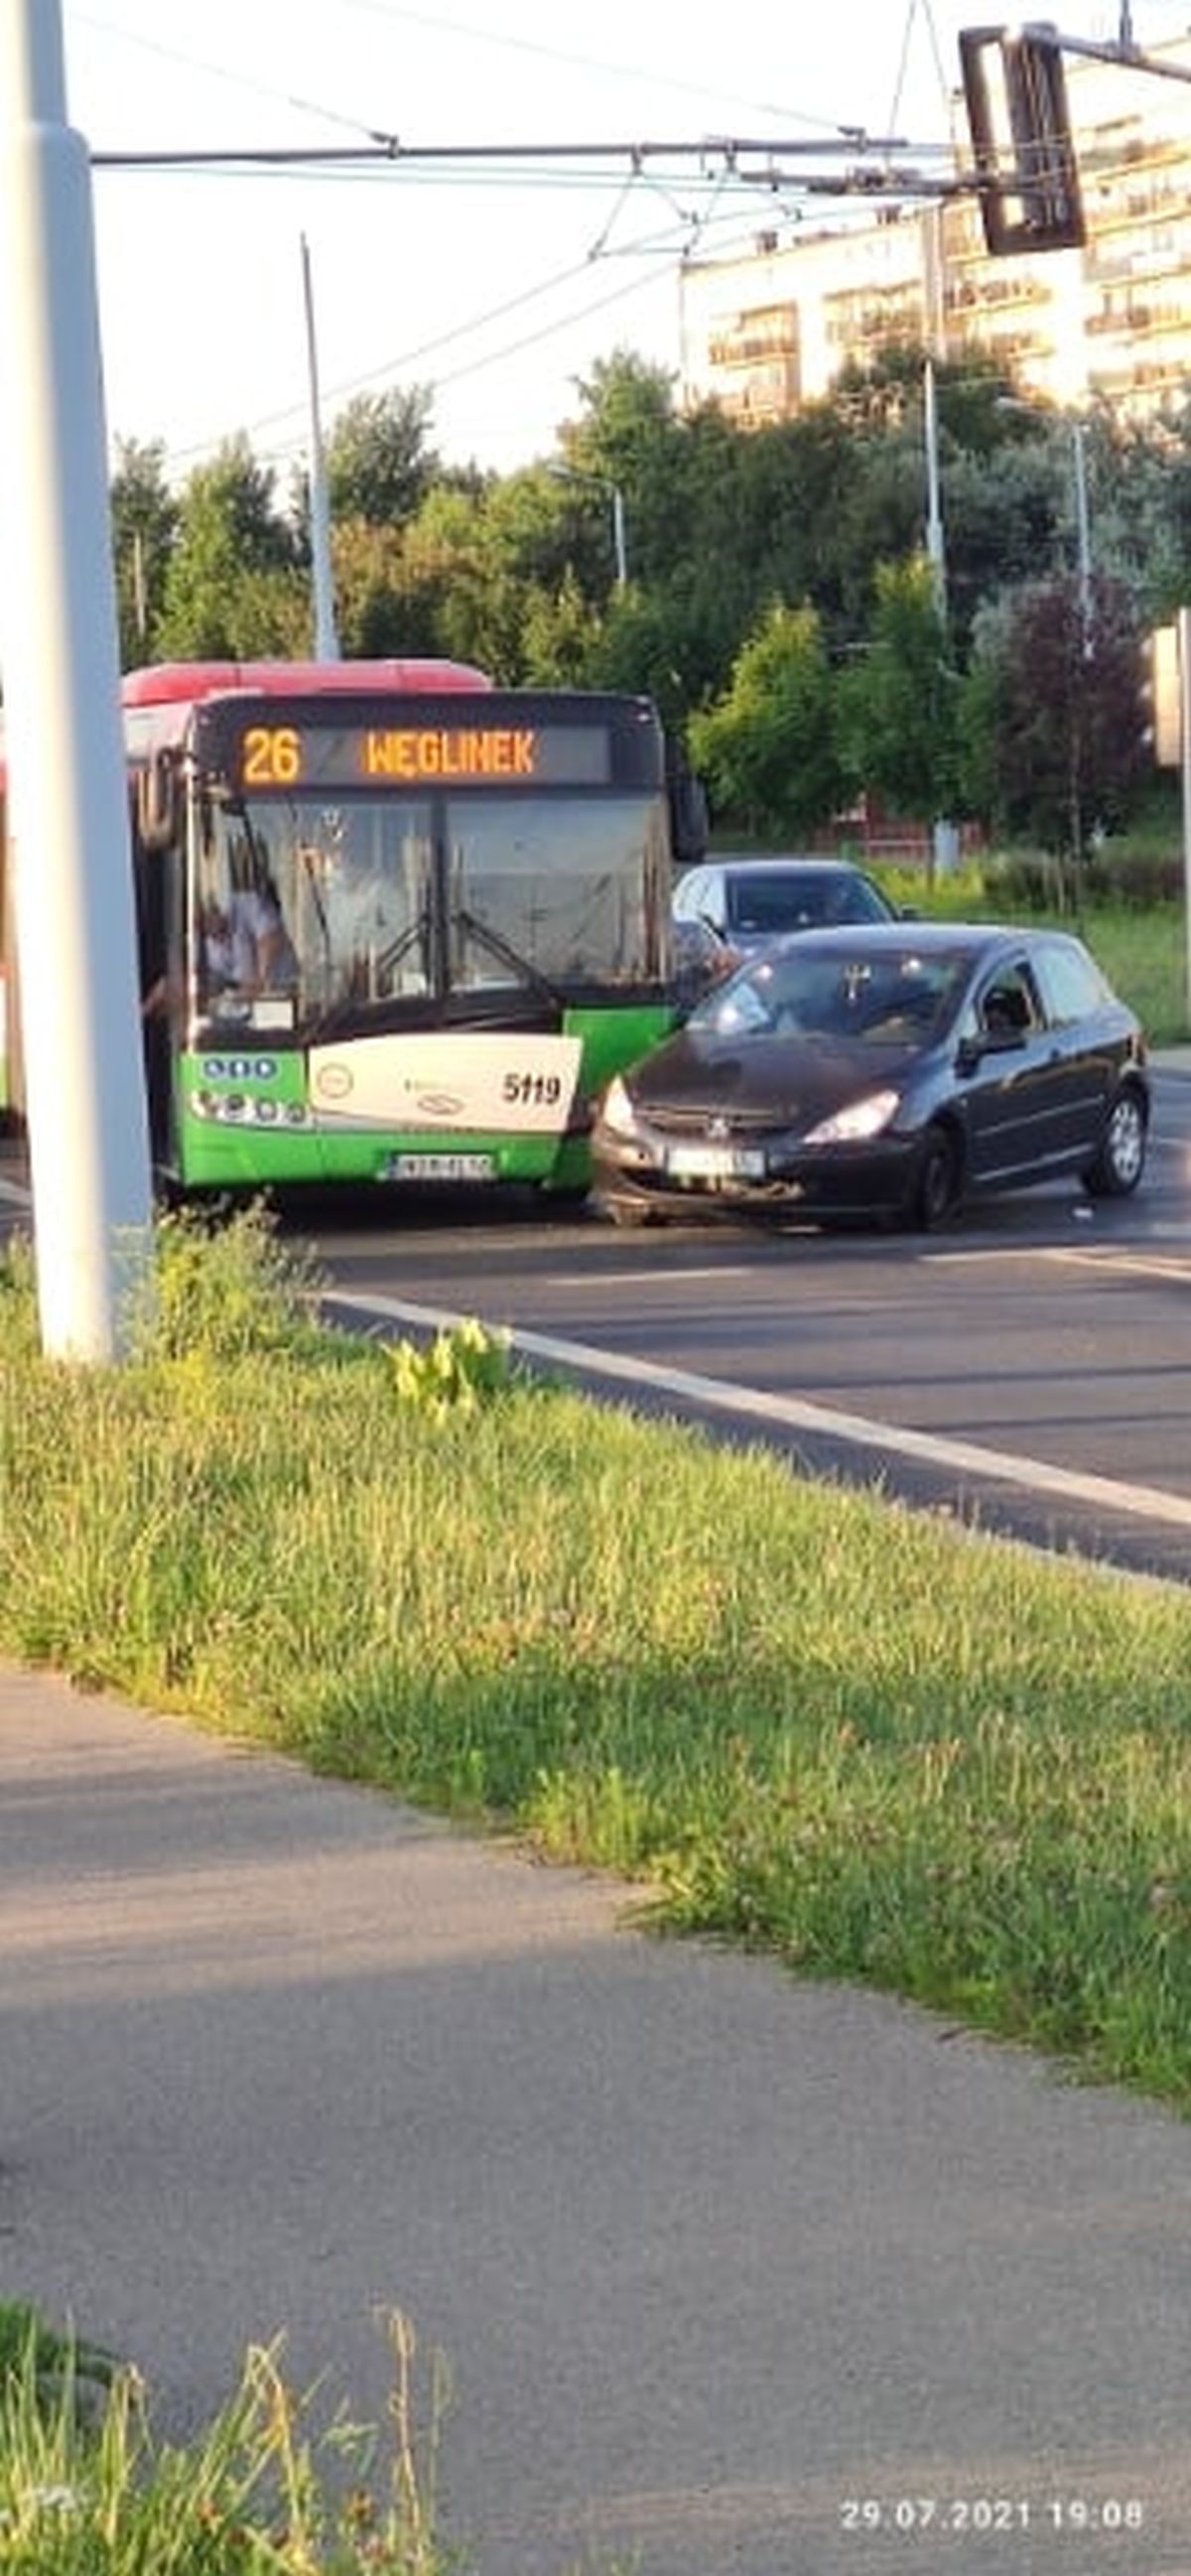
(890, 1069)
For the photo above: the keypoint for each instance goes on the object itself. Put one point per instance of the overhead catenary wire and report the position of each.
(688, 227)
(840, 161)
(412, 358)
(502, 39)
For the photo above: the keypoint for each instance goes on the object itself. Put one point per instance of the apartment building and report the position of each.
(767, 331)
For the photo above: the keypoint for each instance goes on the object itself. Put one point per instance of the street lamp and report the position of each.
(1083, 536)
(945, 838)
(936, 554)
(602, 483)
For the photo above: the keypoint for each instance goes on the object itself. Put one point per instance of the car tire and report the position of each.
(1120, 1157)
(936, 1184)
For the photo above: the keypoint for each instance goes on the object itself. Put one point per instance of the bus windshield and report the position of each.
(318, 907)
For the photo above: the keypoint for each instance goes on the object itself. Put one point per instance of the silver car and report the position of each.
(724, 910)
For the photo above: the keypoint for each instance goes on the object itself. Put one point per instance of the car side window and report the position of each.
(1007, 1005)
(712, 906)
(685, 906)
(1071, 982)
(859, 900)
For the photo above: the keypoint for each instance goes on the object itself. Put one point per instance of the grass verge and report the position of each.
(97, 2492)
(811, 1720)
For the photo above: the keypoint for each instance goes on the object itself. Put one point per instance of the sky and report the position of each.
(497, 286)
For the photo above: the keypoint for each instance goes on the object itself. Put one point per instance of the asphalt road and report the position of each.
(727, 2270)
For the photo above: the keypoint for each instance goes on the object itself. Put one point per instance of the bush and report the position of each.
(1136, 880)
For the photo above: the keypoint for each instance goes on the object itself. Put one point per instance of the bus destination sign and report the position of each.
(422, 755)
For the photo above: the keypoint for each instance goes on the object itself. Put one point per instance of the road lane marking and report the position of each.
(963, 1457)
(1147, 1265)
(648, 1278)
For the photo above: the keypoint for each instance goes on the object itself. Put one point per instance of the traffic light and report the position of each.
(1026, 169)
(1162, 696)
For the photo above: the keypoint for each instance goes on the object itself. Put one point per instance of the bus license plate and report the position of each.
(440, 1167)
(716, 1163)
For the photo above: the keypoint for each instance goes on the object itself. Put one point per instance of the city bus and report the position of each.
(396, 925)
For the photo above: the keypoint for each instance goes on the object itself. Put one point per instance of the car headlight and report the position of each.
(617, 1112)
(851, 1126)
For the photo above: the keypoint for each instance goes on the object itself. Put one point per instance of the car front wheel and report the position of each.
(1120, 1159)
(936, 1188)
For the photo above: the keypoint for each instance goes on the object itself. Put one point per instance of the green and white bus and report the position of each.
(396, 925)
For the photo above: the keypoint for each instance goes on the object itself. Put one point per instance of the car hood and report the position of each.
(784, 1080)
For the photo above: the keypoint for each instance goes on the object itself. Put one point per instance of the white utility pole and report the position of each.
(1183, 631)
(1083, 539)
(326, 633)
(945, 838)
(619, 540)
(935, 548)
(76, 940)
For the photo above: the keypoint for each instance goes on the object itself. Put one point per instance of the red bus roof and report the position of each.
(177, 683)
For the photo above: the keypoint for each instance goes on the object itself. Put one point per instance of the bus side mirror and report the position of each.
(157, 802)
(688, 807)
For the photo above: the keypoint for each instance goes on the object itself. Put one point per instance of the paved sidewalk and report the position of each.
(712, 2255)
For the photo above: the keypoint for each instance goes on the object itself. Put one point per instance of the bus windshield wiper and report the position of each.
(508, 956)
(356, 1006)
(257, 848)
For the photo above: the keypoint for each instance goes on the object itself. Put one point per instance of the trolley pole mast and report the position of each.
(76, 944)
(326, 633)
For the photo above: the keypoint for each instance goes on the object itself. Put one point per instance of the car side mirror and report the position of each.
(972, 1051)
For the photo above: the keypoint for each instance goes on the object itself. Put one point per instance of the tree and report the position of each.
(559, 638)
(1054, 701)
(766, 751)
(234, 585)
(379, 463)
(628, 410)
(897, 700)
(382, 606)
(478, 600)
(144, 522)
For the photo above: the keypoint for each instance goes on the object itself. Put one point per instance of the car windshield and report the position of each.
(885, 997)
(769, 900)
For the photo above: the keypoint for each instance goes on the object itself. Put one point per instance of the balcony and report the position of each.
(752, 340)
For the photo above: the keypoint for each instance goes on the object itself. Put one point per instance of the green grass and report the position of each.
(1144, 956)
(265, 2490)
(809, 1720)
